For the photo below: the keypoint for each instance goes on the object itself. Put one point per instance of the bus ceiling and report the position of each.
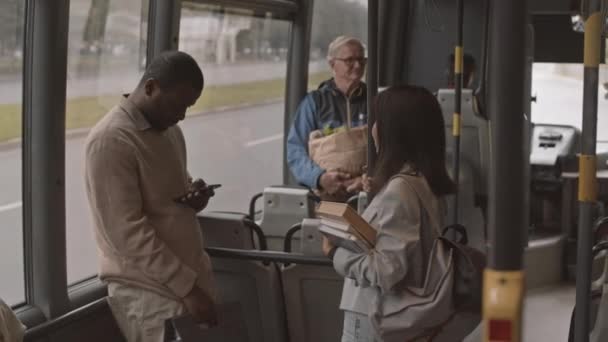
(409, 57)
(556, 40)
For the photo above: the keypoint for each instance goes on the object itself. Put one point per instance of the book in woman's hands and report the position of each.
(342, 239)
(344, 227)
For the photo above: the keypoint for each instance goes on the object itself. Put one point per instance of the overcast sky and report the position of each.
(362, 2)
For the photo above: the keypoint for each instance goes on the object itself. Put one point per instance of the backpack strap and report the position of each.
(425, 196)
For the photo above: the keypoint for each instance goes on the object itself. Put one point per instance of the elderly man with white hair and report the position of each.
(339, 101)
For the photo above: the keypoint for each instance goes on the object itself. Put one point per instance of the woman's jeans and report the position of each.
(357, 328)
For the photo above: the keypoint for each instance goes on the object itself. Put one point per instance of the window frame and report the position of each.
(280, 9)
(46, 22)
(43, 157)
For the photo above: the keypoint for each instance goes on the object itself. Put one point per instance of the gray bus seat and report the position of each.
(474, 137)
(253, 284)
(93, 322)
(226, 230)
(231, 230)
(600, 324)
(598, 303)
(312, 293)
(310, 238)
(283, 207)
(312, 298)
(230, 328)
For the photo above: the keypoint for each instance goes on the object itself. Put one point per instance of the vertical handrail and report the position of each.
(372, 79)
(587, 185)
(504, 277)
(456, 119)
(297, 72)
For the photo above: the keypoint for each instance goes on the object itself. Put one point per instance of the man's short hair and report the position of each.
(172, 68)
(338, 43)
(468, 68)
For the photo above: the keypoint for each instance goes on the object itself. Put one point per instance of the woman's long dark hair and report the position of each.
(411, 130)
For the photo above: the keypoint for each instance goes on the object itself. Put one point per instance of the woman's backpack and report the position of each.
(451, 292)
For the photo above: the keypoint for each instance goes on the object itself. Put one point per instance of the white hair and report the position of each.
(339, 42)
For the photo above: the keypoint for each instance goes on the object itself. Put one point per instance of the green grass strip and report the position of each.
(84, 112)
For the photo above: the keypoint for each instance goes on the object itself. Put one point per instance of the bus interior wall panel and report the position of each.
(556, 41)
(554, 6)
(431, 39)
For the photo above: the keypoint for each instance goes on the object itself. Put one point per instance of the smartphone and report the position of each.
(211, 187)
(214, 186)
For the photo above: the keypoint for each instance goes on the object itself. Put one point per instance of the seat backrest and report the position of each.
(254, 285)
(311, 238)
(231, 327)
(257, 288)
(600, 324)
(474, 136)
(226, 230)
(93, 322)
(283, 207)
(312, 293)
(312, 297)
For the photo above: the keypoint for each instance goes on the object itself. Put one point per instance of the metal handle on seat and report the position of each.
(597, 231)
(598, 248)
(352, 201)
(598, 283)
(287, 242)
(313, 197)
(258, 232)
(252, 205)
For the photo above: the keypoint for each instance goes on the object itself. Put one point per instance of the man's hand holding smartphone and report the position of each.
(198, 195)
(200, 305)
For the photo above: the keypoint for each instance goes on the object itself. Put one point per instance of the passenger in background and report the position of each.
(149, 241)
(410, 141)
(340, 101)
(468, 71)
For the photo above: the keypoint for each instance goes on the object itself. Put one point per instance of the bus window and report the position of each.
(12, 287)
(332, 18)
(234, 133)
(559, 92)
(105, 60)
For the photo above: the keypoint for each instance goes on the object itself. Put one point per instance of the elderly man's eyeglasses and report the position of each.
(350, 61)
